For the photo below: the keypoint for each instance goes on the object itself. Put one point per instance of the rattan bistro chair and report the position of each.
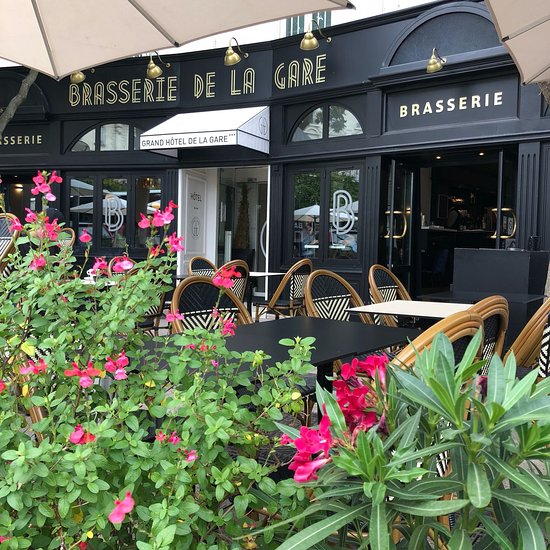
(195, 297)
(67, 237)
(8, 239)
(460, 328)
(288, 298)
(527, 346)
(240, 284)
(385, 286)
(494, 312)
(199, 265)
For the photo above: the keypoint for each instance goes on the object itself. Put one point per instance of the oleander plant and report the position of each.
(113, 438)
(436, 456)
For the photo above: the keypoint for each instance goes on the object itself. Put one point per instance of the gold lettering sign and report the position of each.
(300, 73)
(22, 139)
(122, 92)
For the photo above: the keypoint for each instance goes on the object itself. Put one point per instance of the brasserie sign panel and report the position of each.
(476, 101)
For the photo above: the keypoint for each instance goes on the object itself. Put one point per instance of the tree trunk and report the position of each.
(8, 113)
(545, 90)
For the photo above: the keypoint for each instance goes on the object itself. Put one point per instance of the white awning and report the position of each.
(248, 127)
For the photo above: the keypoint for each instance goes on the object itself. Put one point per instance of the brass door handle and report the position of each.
(513, 214)
(402, 214)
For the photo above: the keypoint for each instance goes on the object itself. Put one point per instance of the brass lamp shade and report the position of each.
(77, 78)
(231, 56)
(153, 70)
(309, 42)
(435, 63)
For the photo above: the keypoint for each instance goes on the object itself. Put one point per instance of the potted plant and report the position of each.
(110, 438)
(436, 456)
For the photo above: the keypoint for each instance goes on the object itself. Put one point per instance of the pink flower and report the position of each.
(286, 440)
(52, 229)
(172, 204)
(3, 539)
(34, 368)
(15, 225)
(305, 471)
(84, 376)
(85, 237)
(31, 216)
(174, 438)
(39, 178)
(174, 243)
(171, 317)
(145, 222)
(228, 327)
(348, 369)
(223, 279)
(111, 365)
(214, 363)
(80, 436)
(122, 264)
(54, 178)
(82, 545)
(191, 455)
(375, 365)
(163, 218)
(160, 436)
(40, 185)
(120, 374)
(2, 386)
(100, 265)
(190, 346)
(122, 508)
(156, 251)
(37, 263)
(49, 197)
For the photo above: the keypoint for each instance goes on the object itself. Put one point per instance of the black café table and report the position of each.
(333, 340)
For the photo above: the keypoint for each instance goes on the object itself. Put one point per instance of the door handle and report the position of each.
(404, 232)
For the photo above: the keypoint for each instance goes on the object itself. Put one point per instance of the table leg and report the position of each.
(252, 282)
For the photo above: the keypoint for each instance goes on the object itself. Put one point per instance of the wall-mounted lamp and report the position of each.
(79, 77)
(309, 42)
(231, 56)
(436, 62)
(153, 70)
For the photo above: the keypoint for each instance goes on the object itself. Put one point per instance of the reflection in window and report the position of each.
(85, 142)
(343, 213)
(147, 201)
(114, 211)
(307, 197)
(342, 122)
(82, 205)
(311, 127)
(137, 135)
(114, 137)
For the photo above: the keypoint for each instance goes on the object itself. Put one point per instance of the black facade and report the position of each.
(358, 129)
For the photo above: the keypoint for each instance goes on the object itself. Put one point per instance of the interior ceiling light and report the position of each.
(436, 62)
(481, 153)
(231, 56)
(309, 42)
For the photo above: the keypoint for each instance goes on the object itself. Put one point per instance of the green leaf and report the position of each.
(479, 490)
(496, 381)
(378, 527)
(468, 358)
(333, 410)
(405, 432)
(460, 541)
(520, 499)
(531, 534)
(319, 531)
(523, 478)
(422, 453)
(525, 411)
(419, 393)
(15, 500)
(496, 533)
(132, 423)
(293, 433)
(520, 389)
(241, 504)
(429, 508)
(166, 536)
(419, 538)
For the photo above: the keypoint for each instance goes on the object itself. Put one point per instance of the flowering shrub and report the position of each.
(425, 457)
(110, 438)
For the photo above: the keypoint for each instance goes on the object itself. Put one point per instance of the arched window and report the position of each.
(114, 136)
(327, 122)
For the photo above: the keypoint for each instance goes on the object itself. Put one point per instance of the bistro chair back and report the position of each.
(67, 237)
(196, 297)
(288, 298)
(385, 286)
(527, 346)
(113, 261)
(460, 328)
(329, 296)
(239, 283)
(494, 312)
(7, 242)
(199, 265)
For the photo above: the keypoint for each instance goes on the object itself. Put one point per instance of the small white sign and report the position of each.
(181, 141)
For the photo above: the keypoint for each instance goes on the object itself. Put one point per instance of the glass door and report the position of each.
(397, 221)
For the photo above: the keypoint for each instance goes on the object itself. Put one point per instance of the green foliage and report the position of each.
(189, 433)
(492, 447)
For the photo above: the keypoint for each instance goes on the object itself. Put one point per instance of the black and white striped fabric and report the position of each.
(298, 285)
(543, 362)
